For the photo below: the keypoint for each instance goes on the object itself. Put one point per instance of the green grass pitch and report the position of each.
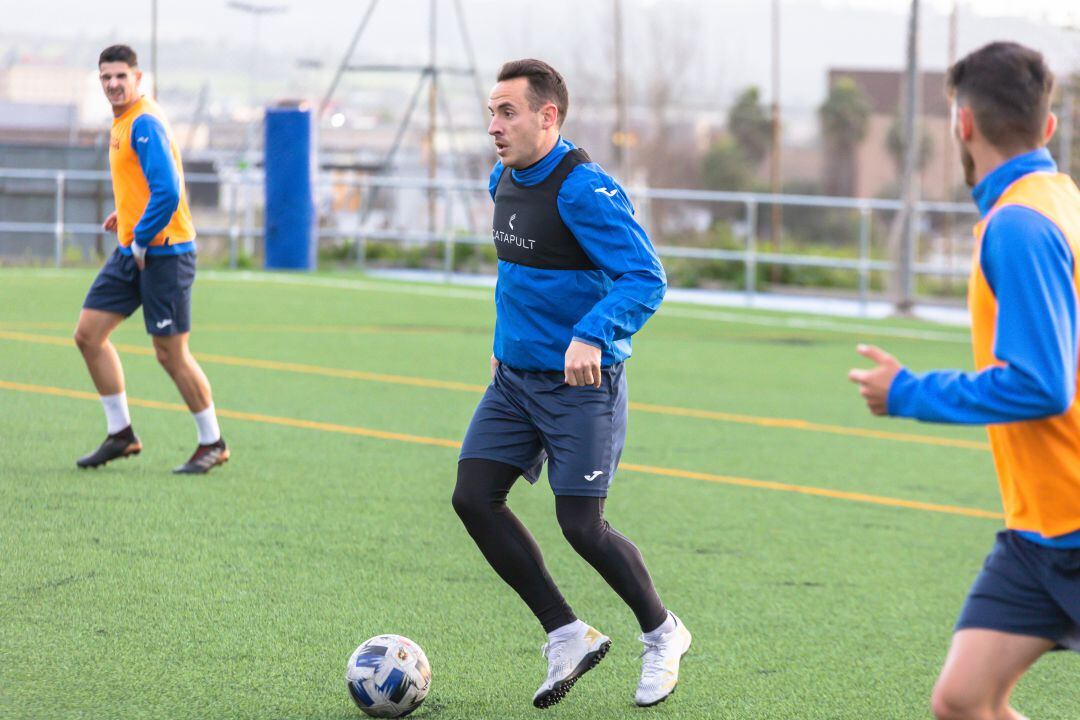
(130, 593)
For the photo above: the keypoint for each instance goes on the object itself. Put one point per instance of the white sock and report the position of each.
(207, 425)
(665, 627)
(567, 631)
(116, 412)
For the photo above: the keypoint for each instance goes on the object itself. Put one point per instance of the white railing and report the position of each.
(241, 227)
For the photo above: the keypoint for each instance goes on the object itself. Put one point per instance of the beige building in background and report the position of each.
(876, 172)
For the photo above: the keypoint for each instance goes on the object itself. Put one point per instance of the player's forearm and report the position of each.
(633, 299)
(159, 210)
(999, 394)
(156, 160)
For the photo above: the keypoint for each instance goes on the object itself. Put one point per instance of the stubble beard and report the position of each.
(969, 166)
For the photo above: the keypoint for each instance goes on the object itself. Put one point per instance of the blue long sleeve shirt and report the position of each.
(540, 310)
(1028, 265)
(151, 144)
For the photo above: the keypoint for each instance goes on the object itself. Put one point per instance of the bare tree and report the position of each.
(667, 155)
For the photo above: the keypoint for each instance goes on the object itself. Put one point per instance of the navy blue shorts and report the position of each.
(163, 289)
(527, 417)
(1027, 589)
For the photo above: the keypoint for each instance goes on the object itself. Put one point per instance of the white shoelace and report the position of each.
(553, 653)
(652, 659)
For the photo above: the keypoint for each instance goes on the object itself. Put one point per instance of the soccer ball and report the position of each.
(388, 676)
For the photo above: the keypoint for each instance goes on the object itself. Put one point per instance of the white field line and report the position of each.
(463, 293)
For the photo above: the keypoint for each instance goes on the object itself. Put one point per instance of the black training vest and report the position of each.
(527, 228)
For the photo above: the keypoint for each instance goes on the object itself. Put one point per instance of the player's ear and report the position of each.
(965, 124)
(1051, 126)
(549, 116)
(138, 77)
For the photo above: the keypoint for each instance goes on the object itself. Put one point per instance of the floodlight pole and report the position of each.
(463, 27)
(774, 159)
(909, 182)
(1065, 140)
(153, 48)
(948, 146)
(620, 136)
(256, 12)
(346, 58)
(1068, 108)
(433, 111)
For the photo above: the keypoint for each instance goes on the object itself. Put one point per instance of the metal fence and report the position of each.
(463, 208)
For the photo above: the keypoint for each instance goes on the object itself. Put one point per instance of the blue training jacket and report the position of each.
(539, 311)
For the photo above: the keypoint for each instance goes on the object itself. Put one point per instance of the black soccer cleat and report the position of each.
(205, 458)
(118, 445)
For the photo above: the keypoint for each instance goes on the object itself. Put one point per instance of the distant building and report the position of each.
(876, 172)
(46, 84)
(35, 123)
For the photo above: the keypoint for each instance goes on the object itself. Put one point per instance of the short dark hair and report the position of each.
(118, 53)
(546, 85)
(1008, 87)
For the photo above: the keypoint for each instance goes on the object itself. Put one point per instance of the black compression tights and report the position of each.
(480, 502)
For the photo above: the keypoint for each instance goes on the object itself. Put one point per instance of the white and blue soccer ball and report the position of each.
(388, 676)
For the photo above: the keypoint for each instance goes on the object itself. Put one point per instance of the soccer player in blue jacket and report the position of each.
(577, 278)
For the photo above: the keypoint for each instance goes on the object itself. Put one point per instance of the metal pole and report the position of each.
(234, 228)
(249, 214)
(433, 91)
(1065, 123)
(256, 12)
(367, 195)
(774, 159)
(619, 135)
(448, 240)
(253, 93)
(909, 182)
(864, 256)
(58, 232)
(950, 153)
(911, 244)
(750, 260)
(346, 58)
(467, 42)
(153, 46)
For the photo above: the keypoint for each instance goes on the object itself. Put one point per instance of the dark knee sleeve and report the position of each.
(477, 482)
(480, 501)
(612, 554)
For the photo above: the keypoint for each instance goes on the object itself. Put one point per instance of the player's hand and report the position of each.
(139, 253)
(582, 365)
(494, 365)
(110, 223)
(874, 384)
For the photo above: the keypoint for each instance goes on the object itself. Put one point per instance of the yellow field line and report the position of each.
(811, 426)
(238, 415)
(441, 442)
(809, 490)
(302, 368)
(264, 364)
(271, 328)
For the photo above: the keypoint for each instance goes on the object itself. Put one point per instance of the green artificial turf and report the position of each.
(128, 592)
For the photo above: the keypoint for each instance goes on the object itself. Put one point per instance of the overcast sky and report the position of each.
(204, 40)
(307, 20)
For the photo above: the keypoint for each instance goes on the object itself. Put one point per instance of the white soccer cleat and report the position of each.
(568, 660)
(660, 665)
